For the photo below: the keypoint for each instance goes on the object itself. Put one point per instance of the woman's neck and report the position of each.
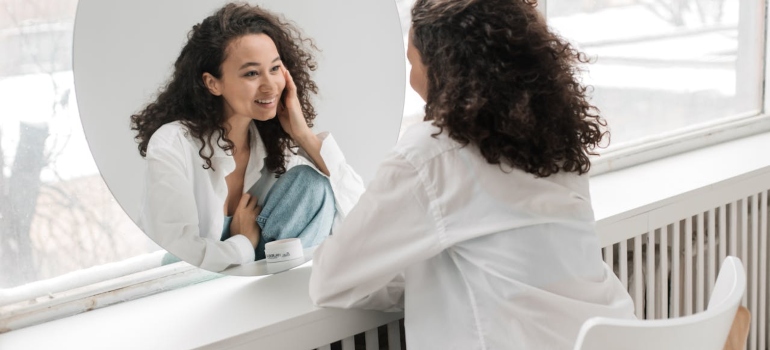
(238, 133)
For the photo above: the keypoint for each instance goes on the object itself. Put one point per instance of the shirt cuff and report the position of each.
(331, 152)
(243, 246)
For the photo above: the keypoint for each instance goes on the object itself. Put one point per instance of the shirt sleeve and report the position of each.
(346, 184)
(395, 224)
(170, 216)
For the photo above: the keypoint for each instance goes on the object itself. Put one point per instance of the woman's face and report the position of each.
(418, 76)
(252, 81)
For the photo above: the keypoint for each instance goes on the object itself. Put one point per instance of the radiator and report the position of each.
(674, 278)
(386, 337)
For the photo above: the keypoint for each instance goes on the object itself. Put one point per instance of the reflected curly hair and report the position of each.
(499, 79)
(185, 98)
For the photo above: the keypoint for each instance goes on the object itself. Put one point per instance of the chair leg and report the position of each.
(739, 332)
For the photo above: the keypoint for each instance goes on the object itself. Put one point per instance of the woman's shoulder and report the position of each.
(168, 135)
(424, 141)
(172, 128)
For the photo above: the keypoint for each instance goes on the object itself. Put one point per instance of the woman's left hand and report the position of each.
(293, 122)
(290, 111)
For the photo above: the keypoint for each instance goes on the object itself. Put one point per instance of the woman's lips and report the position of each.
(266, 103)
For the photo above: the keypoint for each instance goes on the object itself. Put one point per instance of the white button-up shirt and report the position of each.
(183, 205)
(480, 256)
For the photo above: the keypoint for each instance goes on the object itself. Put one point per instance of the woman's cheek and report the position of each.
(418, 82)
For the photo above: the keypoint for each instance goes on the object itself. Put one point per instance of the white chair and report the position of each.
(707, 330)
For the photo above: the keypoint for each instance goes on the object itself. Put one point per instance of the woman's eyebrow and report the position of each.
(249, 64)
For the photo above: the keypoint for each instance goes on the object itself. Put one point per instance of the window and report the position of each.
(661, 68)
(57, 215)
(664, 66)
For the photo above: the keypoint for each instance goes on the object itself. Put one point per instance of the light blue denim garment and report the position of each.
(299, 205)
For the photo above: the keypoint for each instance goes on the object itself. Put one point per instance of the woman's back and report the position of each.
(520, 248)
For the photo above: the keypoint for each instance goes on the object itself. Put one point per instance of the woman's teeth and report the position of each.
(264, 102)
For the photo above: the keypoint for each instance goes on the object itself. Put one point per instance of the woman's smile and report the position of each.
(267, 102)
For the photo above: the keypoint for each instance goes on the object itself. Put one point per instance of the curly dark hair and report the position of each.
(185, 98)
(498, 78)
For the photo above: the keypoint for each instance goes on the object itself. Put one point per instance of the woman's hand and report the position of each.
(290, 111)
(293, 122)
(245, 219)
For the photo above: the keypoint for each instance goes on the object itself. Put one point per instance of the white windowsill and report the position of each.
(230, 312)
(626, 192)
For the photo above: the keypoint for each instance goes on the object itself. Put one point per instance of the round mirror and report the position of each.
(124, 54)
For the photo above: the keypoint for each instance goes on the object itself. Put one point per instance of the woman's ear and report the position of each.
(212, 84)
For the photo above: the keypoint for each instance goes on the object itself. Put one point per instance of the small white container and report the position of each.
(283, 254)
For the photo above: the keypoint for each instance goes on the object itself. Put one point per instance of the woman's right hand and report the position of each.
(245, 219)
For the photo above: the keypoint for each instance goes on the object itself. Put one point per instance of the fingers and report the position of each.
(244, 200)
(289, 80)
(248, 201)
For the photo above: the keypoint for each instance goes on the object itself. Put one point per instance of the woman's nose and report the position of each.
(268, 84)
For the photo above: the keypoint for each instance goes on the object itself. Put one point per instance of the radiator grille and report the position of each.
(670, 270)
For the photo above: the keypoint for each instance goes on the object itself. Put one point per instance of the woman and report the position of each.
(479, 224)
(222, 174)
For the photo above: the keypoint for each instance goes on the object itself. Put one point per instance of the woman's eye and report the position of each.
(251, 74)
(275, 69)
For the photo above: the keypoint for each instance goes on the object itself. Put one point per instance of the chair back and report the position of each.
(706, 330)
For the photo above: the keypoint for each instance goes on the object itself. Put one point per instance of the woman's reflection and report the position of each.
(232, 161)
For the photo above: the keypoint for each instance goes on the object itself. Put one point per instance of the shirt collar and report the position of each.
(224, 161)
